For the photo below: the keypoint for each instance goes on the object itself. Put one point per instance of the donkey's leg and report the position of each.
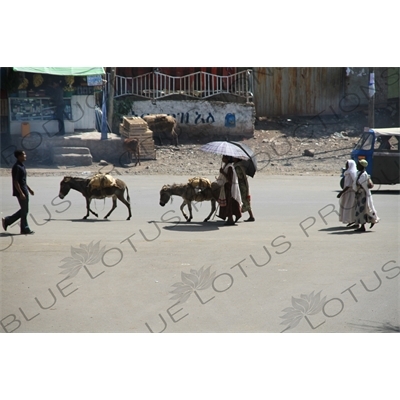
(189, 204)
(88, 210)
(213, 208)
(183, 212)
(121, 198)
(95, 214)
(114, 206)
(137, 155)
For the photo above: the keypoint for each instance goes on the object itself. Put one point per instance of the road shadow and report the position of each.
(385, 327)
(378, 191)
(193, 226)
(80, 220)
(336, 228)
(351, 232)
(342, 230)
(386, 191)
(6, 234)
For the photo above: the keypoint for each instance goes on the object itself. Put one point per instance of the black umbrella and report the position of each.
(251, 163)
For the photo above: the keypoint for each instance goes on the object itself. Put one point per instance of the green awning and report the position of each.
(66, 71)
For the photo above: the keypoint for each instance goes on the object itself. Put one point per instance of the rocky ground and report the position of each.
(284, 146)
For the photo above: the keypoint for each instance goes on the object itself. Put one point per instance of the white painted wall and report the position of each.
(203, 118)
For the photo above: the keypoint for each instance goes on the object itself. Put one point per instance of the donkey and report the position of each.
(188, 194)
(163, 126)
(82, 186)
(132, 146)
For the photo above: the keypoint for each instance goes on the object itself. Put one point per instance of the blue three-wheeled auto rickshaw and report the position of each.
(380, 147)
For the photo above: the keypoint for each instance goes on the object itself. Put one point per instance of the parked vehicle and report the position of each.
(380, 147)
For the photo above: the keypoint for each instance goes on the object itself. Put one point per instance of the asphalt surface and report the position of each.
(295, 269)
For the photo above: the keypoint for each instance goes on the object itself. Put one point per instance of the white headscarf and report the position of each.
(350, 175)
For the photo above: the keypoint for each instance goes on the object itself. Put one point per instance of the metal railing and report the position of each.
(199, 85)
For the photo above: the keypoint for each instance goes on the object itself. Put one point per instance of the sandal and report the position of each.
(229, 223)
(361, 229)
(251, 219)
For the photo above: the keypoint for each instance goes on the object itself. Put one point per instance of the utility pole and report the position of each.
(371, 102)
(110, 100)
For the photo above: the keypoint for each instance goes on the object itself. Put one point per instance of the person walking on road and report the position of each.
(347, 196)
(21, 191)
(244, 188)
(364, 210)
(229, 199)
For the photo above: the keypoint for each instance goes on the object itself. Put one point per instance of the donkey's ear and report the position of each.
(67, 178)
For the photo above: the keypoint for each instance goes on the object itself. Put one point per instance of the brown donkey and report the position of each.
(82, 185)
(189, 194)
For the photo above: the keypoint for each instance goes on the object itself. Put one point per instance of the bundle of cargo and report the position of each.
(101, 181)
(137, 128)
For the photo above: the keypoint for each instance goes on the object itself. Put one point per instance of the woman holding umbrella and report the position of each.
(240, 168)
(230, 200)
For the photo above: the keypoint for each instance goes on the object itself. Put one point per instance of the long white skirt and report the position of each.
(347, 206)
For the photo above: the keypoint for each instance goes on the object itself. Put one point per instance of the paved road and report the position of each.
(158, 273)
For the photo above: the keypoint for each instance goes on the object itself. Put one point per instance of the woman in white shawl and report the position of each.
(364, 210)
(348, 196)
(230, 201)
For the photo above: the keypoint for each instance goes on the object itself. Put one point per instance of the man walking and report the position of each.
(21, 191)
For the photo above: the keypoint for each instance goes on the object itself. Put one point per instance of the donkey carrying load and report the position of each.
(98, 187)
(163, 126)
(198, 189)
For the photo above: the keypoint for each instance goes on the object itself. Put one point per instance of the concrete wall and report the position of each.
(39, 147)
(203, 119)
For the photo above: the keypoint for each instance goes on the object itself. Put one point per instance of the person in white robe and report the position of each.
(347, 197)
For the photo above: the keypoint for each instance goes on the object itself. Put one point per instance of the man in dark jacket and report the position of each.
(21, 191)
